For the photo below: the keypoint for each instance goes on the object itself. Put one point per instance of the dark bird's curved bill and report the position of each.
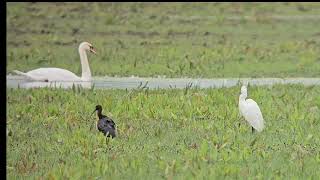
(93, 112)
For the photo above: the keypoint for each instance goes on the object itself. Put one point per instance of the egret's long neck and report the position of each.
(242, 97)
(86, 73)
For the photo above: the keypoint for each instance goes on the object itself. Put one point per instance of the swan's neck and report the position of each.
(86, 73)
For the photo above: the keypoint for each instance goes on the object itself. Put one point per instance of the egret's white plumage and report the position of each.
(58, 74)
(250, 110)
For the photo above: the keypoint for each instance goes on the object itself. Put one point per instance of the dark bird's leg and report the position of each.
(252, 129)
(107, 140)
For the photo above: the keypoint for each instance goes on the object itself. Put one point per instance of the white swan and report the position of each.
(250, 110)
(58, 74)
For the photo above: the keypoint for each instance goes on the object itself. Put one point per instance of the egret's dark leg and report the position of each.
(252, 129)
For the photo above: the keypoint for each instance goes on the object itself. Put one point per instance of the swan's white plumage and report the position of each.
(58, 74)
(250, 110)
(50, 74)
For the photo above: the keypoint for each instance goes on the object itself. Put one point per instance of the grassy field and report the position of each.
(163, 134)
(170, 39)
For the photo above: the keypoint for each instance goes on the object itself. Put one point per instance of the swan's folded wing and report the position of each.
(54, 74)
(31, 76)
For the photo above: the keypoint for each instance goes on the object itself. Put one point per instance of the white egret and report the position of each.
(58, 74)
(250, 110)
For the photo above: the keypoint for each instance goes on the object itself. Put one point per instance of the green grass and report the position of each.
(163, 134)
(151, 39)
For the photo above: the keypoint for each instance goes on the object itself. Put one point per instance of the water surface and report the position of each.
(162, 83)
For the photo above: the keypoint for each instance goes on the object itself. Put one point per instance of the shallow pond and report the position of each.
(163, 83)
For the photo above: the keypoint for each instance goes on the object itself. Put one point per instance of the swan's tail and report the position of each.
(20, 73)
(30, 77)
(24, 74)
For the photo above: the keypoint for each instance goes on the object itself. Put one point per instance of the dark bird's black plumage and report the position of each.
(105, 124)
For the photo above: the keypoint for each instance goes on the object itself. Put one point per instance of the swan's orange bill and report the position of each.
(93, 51)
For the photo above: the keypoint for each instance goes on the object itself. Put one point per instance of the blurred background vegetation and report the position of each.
(168, 39)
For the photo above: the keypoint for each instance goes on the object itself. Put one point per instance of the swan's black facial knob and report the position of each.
(92, 50)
